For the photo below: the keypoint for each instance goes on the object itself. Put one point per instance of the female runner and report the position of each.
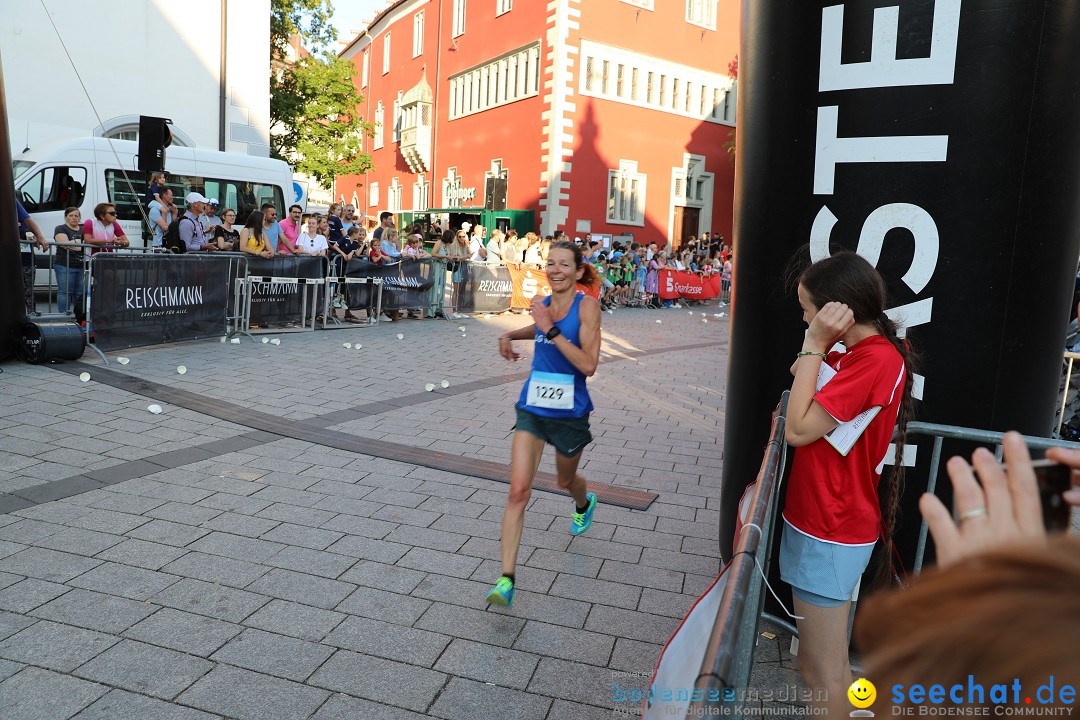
(554, 405)
(832, 515)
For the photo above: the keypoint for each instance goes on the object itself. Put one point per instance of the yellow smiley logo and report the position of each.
(862, 693)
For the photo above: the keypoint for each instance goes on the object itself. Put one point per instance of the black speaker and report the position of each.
(154, 137)
(56, 337)
(495, 193)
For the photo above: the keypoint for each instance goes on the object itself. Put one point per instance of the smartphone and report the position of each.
(1054, 479)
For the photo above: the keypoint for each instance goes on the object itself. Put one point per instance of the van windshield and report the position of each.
(18, 167)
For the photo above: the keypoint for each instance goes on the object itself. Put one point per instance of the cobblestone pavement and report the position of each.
(178, 565)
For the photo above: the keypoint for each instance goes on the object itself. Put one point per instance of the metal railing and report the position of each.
(955, 432)
(1071, 357)
(729, 656)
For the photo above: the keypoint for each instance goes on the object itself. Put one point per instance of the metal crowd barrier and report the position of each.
(308, 287)
(46, 260)
(729, 656)
(125, 331)
(954, 432)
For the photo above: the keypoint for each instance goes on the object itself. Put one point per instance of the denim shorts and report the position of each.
(821, 573)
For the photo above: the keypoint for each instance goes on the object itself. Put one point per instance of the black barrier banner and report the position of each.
(140, 300)
(282, 302)
(406, 285)
(486, 288)
(940, 141)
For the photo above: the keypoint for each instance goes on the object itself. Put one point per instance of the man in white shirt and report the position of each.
(495, 247)
(477, 251)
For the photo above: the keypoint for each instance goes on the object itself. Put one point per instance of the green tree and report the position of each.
(313, 102)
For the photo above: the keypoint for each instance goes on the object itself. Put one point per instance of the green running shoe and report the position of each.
(581, 521)
(503, 593)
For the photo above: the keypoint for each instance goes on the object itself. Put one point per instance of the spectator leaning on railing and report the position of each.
(191, 233)
(68, 265)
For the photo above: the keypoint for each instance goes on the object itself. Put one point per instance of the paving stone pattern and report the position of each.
(180, 566)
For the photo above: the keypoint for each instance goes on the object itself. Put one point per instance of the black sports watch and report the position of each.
(553, 333)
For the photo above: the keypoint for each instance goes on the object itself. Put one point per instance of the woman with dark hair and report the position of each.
(554, 404)
(103, 231)
(253, 239)
(68, 265)
(226, 235)
(832, 514)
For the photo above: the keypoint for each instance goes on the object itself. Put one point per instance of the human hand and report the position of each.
(506, 348)
(541, 315)
(1072, 459)
(1003, 512)
(829, 324)
(41, 242)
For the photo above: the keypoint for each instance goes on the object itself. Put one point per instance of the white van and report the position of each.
(83, 172)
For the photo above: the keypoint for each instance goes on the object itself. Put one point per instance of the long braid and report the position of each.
(894, 489)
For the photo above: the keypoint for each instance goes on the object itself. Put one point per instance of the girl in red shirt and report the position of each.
(832, 513)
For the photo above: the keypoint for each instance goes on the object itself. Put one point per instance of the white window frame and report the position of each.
(366, 71)
(393, 196)
(373, 195)
(458, 27)
(386, 52)
(379, 123)
(448, 184)
(421, 194)
(701, 13)
(503, 80)
(661, 84)
(624, 207)
(642, 4)
(418, 34)
(503, 6)
(398, 116)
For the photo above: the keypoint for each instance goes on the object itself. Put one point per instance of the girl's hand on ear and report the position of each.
(829, 324)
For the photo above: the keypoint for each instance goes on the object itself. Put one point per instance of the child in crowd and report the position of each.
(157, 182)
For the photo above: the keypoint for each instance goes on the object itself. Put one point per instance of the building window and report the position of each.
(397, 116)
(645, 81)
(506, 79)
(386, 53)
(643, 4)
(373, 195)
(626, 195)
(459, 18)
(378, 125)
(393, 196)
(364, 74)
(421, 194)
(502, 6)
(418, 34)
(701, 12)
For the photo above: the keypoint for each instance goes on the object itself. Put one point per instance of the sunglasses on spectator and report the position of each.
(110, 212)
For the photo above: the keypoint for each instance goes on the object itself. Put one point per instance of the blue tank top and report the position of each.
(552, 372)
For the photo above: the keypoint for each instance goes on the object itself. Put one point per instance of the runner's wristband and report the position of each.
(811, 352)
(553, 333)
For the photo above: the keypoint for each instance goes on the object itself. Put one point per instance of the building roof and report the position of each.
(420, 92)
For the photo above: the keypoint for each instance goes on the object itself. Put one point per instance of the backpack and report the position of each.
(171, 241)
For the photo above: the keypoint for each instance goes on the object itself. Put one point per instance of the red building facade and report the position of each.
(606, 116)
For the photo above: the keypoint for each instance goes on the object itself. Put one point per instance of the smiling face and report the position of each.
(862, 693)
(809, 309)
(562, 270)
